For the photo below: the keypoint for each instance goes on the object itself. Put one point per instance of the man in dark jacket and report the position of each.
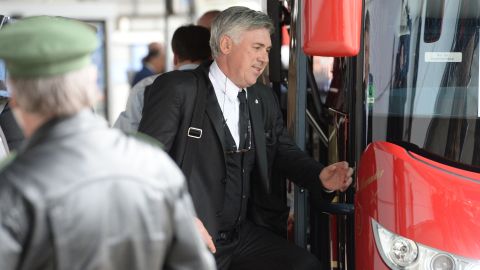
(241, 140)
(80, 195)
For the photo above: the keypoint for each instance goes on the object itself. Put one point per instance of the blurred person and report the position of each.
(190, 46)
(154, 46)
(240, 143)
(10, 132)
(80, 195)
(153, 63)
(207, 18)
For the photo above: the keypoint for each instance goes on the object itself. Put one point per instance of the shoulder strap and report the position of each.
(194, 132)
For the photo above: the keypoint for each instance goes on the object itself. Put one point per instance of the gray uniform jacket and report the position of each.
(83, 196)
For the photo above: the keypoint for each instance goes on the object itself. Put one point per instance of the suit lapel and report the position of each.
(215, 115)
(254, 105)
(212, 108)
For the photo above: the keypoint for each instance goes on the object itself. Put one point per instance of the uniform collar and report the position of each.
(187, 66)
(59, 127)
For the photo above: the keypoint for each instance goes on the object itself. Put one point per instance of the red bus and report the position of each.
(405, 111)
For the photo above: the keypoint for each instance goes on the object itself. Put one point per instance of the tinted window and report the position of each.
(423, 76)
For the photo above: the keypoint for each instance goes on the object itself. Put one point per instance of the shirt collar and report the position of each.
(187, 66)
(225, 84)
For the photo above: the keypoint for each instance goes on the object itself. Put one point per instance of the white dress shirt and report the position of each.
(226, 92)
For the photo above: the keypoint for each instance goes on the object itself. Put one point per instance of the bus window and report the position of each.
(427, 94)
(433, 20)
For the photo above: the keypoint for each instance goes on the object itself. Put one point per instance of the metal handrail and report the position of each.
(316, 126)
(336, 208)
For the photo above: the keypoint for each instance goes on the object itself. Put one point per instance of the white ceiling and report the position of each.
(135, 8)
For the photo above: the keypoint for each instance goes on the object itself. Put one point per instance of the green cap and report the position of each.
(44, 46)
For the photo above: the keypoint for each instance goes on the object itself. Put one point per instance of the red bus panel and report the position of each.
(428, 202)
(332, 27)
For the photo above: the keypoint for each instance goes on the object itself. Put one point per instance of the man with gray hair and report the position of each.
(80, 195)
(230, 148)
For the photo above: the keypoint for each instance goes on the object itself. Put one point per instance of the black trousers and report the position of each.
(254, 247)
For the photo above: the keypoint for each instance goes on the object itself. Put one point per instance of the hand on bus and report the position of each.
(205, 235)
(337, 176)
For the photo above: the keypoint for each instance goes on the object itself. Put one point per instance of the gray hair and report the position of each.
(60, 95)
(234, 21)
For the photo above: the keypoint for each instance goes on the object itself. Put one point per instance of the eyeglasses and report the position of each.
(241, 151)
(244, 150)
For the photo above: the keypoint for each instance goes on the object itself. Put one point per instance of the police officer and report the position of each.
(80, 195)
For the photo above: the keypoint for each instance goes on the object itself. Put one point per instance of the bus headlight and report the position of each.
(442, 261)
(401, 253)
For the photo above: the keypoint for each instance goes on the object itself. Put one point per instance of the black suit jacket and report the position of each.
(167, 113)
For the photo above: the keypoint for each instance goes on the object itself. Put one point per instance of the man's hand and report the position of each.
(205, 235)
(337, 176)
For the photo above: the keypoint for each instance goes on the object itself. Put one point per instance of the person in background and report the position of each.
(242, 142)
(190, 47)
(207, 18)
(80, 195)
(153, 63)
(10, 133)
(154, 46)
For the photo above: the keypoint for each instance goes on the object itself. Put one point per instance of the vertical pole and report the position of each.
(297, 86)
(275, 63)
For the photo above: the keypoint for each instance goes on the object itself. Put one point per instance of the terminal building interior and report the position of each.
(125, 28)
